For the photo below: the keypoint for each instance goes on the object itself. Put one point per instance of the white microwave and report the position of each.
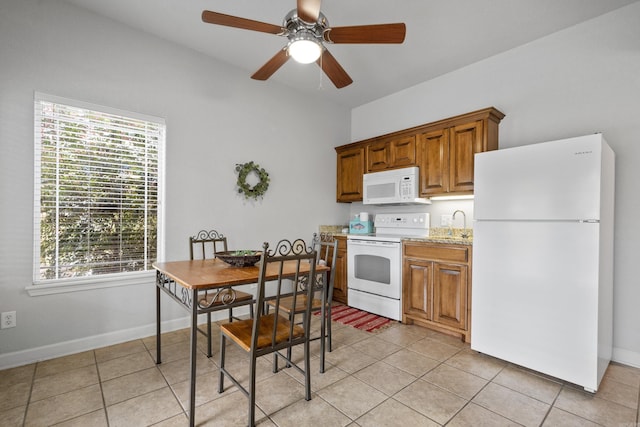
(393, 187)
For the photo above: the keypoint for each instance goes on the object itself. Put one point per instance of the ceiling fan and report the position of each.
(307, 29)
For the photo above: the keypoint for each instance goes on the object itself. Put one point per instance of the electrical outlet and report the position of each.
(8, 320)
(446, 220)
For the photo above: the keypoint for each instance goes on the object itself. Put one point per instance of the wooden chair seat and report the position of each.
(287, 304)
(240, 331)
(208, 299)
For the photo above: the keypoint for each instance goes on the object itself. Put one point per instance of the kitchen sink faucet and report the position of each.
(464, 217)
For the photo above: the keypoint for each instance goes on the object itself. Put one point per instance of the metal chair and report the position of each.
(205, 245)
(272, 333)
(327, 249)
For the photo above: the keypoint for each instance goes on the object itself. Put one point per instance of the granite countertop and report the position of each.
(441, 239)
(446, 235)
(442, 235)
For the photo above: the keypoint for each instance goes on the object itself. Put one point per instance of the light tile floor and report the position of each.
(400, 376)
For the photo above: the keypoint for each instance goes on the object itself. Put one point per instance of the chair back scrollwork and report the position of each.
(205, 244)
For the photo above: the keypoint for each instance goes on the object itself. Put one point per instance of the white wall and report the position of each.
(582, 80)
(216, 117)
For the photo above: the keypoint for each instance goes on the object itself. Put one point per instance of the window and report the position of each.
(97, 191)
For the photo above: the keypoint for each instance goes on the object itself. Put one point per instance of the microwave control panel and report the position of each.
(407, 188)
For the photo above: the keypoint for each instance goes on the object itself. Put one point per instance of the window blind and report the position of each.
(96, 189)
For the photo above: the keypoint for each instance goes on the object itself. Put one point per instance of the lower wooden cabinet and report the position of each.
(340, 281)
(437, 287)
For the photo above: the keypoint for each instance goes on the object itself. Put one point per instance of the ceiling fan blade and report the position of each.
(380, 33)
(334, 70)
(246, 24)
(309, 10)
(271, 65)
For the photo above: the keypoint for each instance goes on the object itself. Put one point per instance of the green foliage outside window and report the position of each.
(98, 192)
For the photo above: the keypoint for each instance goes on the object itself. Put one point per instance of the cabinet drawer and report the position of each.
(437, 252)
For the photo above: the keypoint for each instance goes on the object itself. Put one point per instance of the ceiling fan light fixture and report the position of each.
(304, 48)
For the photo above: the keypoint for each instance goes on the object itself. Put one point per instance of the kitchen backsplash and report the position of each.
(433, 231)
(436, 210)
(450, 232)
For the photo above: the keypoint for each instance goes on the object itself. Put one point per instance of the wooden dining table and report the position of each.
(186, 281)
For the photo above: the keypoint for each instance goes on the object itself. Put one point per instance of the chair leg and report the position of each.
(221, 364)
(288, 365)
(251, 311)
(209, 335)
(292, 318)
(230, 315)
(252, 392)
(329, 325)
(307, 371)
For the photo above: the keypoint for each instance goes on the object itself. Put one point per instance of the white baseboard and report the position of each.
(626, 357)
(38, 354)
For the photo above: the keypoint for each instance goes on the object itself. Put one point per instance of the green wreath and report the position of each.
(257, 190)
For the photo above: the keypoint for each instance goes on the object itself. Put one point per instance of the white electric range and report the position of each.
(374, 263)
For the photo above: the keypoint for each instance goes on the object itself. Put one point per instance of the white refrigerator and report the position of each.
(542, 275)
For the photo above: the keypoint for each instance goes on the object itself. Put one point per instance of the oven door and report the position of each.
(374, 267)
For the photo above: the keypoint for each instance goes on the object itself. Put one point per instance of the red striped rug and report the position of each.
(357, 318)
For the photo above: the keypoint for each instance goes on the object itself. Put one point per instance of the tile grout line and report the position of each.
(104, 402)
(28, 403)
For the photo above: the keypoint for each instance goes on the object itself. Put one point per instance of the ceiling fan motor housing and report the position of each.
(297, 29)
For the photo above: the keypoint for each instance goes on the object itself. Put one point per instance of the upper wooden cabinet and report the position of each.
(433, 160)
(443, 150)
(445, 158)
(464, 142)
(391, 153)
(350, 170)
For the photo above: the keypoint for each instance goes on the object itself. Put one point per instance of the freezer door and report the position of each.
(535, 297)
(557, 180)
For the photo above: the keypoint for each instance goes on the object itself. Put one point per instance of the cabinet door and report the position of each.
(340, 281)
(433, 159)
(350, 170)
(403, 151)
(464, 142)
(450, 294)
(417, 277)
(378, 156)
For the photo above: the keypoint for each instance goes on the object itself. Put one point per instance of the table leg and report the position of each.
(158, 278)
(194, 344)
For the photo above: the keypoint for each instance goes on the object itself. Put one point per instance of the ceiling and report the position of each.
(442, 36)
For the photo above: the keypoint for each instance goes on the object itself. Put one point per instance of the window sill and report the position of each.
(50, 287)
